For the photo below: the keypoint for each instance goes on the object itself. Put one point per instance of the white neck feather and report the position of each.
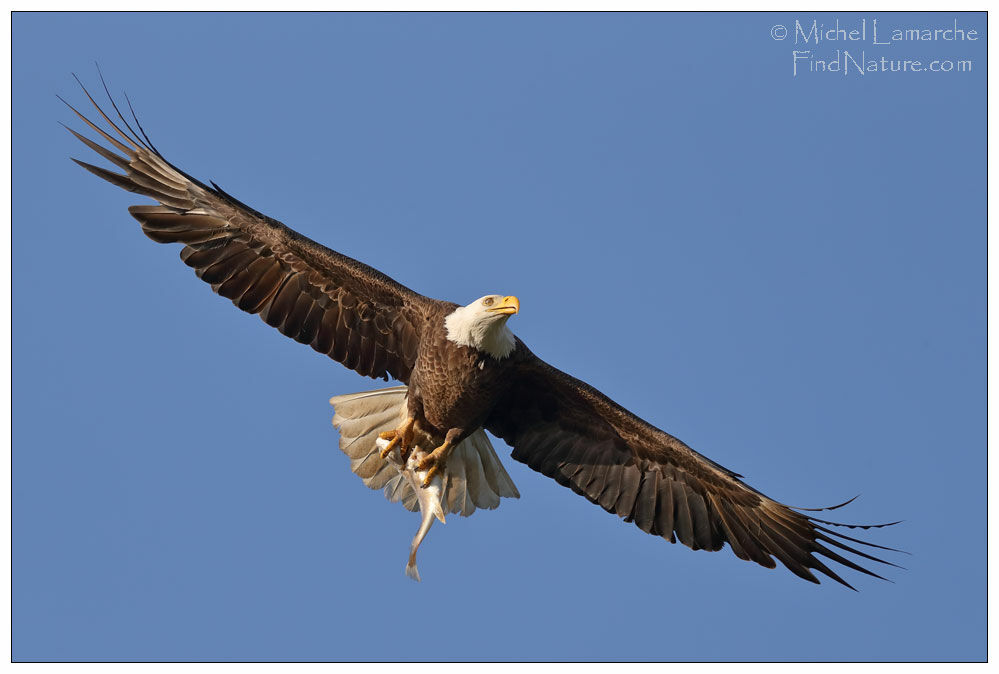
(468, 327)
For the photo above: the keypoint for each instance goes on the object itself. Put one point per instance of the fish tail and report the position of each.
(411, 569)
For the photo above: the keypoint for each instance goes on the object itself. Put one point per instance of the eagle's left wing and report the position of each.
(569, 431)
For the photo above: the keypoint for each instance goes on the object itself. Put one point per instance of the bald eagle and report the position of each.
(464, 371)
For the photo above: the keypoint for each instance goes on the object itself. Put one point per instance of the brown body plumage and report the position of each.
(453, 386)
(373, 325)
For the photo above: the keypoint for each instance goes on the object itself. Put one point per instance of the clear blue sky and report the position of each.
(788, 273)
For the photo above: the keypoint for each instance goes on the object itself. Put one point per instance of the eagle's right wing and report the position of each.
(339, 306)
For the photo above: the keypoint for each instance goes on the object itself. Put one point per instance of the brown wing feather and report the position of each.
(569, 431)
(339, 306)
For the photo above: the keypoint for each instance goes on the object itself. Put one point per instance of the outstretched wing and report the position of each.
(339, 306)
(569, 431)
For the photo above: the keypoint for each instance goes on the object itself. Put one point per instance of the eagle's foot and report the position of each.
(434, 462)
(402, 436)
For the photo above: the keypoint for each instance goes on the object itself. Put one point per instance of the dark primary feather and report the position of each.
(569, 431)
(339, 306)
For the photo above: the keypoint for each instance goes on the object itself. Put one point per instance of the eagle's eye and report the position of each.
(488, 301)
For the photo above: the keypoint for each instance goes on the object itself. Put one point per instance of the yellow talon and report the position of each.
(434, 462)
(430, 476)
(393, 439)
(403, 435)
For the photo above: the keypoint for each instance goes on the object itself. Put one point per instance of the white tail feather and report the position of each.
(474, 478)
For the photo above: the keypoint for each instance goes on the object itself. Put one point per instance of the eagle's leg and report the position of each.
(435, 461)
(403, 435)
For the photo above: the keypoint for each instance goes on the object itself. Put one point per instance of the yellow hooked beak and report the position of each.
(509, 305)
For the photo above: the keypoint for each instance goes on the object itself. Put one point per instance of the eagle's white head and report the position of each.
(482, 325)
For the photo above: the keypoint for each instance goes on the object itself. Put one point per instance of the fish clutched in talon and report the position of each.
(428, 487)
(429, 492)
